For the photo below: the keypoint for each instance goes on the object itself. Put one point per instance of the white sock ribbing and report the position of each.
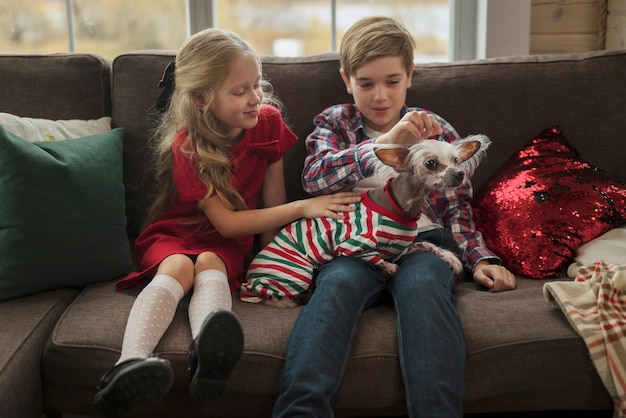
(150, 316)
(211, 291)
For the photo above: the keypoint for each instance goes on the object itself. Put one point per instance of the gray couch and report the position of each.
(522, 355)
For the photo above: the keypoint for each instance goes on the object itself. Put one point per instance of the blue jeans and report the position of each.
(431, 346)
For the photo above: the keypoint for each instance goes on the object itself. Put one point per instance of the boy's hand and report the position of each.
(493, 277)
(330, 206)
(412, 128)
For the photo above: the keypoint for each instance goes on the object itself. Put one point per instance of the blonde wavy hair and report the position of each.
(375, 37)
(202, 64)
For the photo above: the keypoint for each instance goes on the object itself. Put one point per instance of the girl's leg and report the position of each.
(430, 336)
(137, 378)
(216, 332)
(211, 290)
(314, 367)
(155, 306)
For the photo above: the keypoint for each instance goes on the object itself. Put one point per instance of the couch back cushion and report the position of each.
(55, 86)
(510, 99)
(513, 99)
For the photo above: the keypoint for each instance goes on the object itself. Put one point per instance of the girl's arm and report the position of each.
(233, 224)
(273, 194)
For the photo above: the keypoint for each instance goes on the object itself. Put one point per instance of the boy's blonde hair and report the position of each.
(375, 37)
(202, 64)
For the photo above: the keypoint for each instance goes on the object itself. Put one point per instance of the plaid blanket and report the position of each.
(595, 305)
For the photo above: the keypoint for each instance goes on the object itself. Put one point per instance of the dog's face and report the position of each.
(437, 164)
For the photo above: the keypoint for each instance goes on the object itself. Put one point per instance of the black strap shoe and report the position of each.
(133, 383)
(213, 354)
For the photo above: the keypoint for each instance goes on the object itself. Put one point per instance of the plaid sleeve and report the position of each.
(336, 156)
(453, 210)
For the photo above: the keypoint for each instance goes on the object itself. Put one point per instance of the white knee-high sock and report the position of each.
(211, 291)
(150, 316)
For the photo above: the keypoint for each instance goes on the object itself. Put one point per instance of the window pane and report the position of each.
(427, 20)
(302, 27)
(279, 27)
(36, 26)
(105, 27)
(110, 27)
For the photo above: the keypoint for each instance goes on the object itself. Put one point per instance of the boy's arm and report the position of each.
(336, 156)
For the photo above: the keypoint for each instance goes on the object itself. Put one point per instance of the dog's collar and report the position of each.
(396, 208)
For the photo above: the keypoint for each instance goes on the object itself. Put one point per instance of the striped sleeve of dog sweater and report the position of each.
(285, 267)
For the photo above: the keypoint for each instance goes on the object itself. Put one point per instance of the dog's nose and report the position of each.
(459, 176)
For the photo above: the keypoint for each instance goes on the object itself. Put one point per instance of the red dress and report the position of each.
(170, 234)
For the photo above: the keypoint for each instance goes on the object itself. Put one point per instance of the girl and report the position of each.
(219, 146)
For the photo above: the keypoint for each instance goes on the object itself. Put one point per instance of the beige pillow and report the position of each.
(609, 247)
(37, 130)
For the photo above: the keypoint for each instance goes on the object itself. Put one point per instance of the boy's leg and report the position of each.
(430, 336)
(314, 369)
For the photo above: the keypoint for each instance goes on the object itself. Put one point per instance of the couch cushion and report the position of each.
(76, 358)
(62, 219)
(512, 336)
(55, 86)
(25, 324)
(134, 93)
(510, 99)
(533, 358)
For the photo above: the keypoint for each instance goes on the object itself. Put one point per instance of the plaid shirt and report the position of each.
(339, 154)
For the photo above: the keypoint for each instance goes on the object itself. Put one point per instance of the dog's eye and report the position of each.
(456, 160)
(431, 164)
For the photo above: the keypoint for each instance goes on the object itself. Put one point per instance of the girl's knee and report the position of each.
(180, 267)
(209, 261)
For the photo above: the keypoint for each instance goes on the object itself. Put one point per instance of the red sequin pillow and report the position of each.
(543, 204)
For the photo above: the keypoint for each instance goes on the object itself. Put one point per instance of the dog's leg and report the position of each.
(446, 255)
(388, 269)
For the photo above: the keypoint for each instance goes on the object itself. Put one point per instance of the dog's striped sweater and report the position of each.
(285, 267)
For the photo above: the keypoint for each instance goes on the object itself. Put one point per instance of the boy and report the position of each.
(376, 66)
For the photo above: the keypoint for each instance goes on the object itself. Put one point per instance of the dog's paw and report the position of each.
(388, 269)
(281, 303)
(455, 264)
(446, 255)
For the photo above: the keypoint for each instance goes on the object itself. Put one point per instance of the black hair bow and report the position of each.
(167, 83)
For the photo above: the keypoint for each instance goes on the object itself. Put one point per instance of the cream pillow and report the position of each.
(609, 247)
(37, 130)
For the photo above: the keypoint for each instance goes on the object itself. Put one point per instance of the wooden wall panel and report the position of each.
(616, 25)
(564, 26)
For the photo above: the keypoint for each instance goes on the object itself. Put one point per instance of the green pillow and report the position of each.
(62, 215)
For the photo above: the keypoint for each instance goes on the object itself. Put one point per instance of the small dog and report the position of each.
(380, 230)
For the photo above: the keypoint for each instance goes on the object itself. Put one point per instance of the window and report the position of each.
(303, 27)
(105, 27)
(273, 27)
(444, 29)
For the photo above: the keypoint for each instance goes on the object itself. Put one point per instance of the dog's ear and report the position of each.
(393, 157)
(467, 150)
(472, 150)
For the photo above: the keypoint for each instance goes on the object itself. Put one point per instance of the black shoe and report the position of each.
(133, 383)
(213, 354)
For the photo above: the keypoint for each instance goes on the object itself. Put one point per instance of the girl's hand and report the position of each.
(330, 206)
